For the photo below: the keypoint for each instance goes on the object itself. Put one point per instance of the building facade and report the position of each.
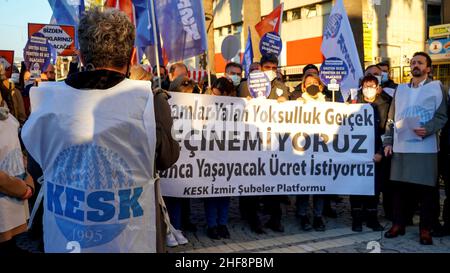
(384, 30)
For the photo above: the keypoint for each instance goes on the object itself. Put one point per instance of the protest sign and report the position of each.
(270, 44)
(7, 60)
(234, 146)
(61, 37)
(259, 84)
(37, 54)
(333, 68)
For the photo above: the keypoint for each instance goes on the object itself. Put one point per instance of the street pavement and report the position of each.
(338, 237)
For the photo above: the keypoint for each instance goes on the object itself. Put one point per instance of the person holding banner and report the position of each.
(15, 185)
(176, 70)
(216, 208)
(244, 87)
(102, 137)
(383, 101)
(312, 69)
(418, 112)
(311, 90)
(365, 205)
(233, 71)
(280, 92)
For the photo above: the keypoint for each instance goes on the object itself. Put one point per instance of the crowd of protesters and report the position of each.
(406, 181)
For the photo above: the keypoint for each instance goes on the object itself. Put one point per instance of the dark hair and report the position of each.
(369, 78)
(384, 64)
(370, 66)
(310, 66)
(421, 53)
(224, 85)
(175, 65)
(161, 66)
(270, 58)
(253, 64)
(232, 64)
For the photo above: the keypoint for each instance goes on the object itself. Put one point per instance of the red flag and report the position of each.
(271, 22)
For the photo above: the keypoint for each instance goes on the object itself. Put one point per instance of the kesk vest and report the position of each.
(422, 102)
(96, 149)
(13, 211)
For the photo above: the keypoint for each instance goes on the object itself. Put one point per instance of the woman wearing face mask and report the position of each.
(311, 90)
(216, 208)
(372, 93)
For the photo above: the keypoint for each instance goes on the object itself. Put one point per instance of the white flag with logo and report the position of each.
(338, 41)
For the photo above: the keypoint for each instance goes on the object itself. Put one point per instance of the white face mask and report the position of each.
(378, 78)
(369, 92)
(270, 74)
(384, 77)
(15, 77)
(235, 79)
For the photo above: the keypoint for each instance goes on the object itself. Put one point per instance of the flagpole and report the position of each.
(156, 40)
(208, 68)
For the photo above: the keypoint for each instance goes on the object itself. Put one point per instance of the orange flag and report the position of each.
(271, 22)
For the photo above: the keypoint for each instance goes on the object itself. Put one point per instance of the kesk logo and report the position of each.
(333, 26)
(92, 195)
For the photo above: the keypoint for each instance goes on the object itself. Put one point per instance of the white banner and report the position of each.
(338, 41)
(233, 146)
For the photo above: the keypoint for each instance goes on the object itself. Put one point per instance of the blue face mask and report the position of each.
(235, 79)
(384, 77)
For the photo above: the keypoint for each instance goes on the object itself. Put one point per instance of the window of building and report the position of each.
(309, 11)
(229, 30)
(296, 14)
(286, 14)
(217, 32)
(237, 28)
(433, 15)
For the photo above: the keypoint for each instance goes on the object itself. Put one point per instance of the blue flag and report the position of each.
(81, 9)
(184, 34)
(248, 54)
(66, 12)
(144, 31)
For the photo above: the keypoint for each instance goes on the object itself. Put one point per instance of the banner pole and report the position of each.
(208, 68)
(155, 37)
